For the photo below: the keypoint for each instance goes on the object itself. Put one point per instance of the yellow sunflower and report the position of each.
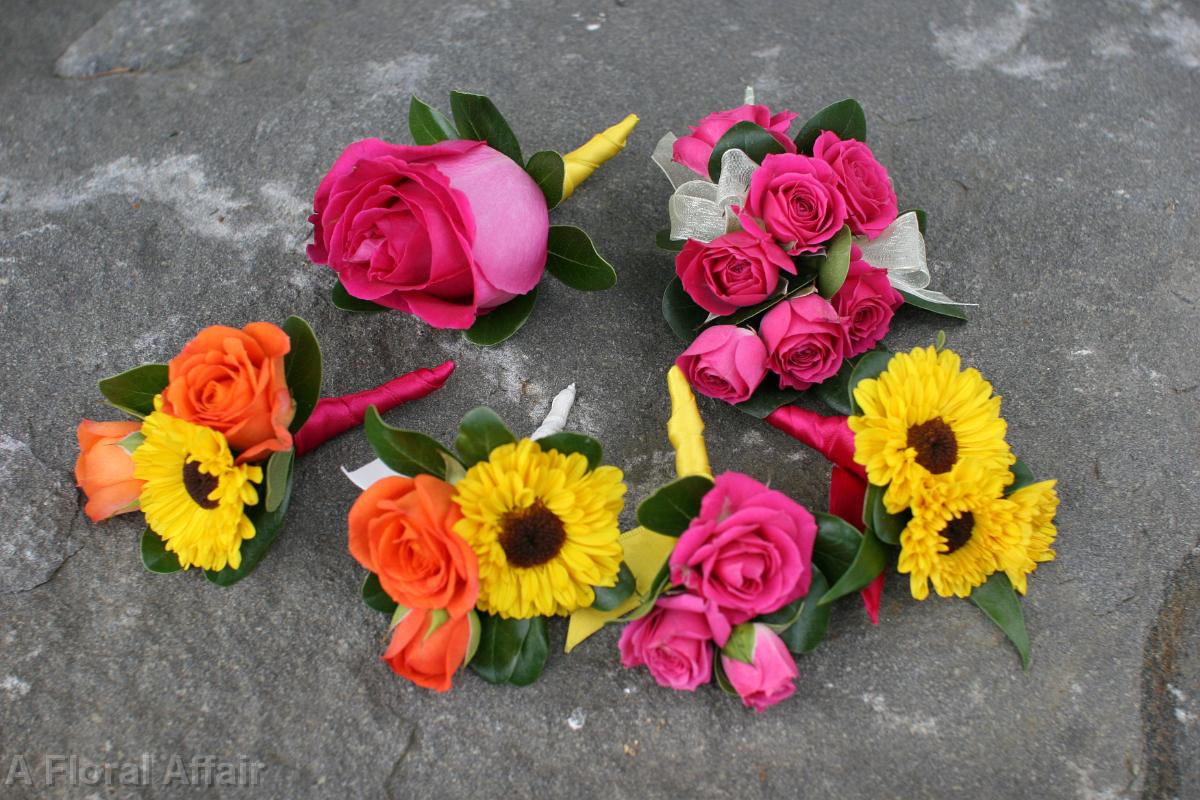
(920, 418)
(194, 494)
(543, 527)
(1036, 506)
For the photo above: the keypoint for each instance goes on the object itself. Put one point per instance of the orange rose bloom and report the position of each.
(402, 529)
(104, 470)
(233, 382)
(429, 660)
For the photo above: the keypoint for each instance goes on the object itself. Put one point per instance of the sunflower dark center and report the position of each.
(199, 484)
(936, 445)
(531, 536)
(958, 532)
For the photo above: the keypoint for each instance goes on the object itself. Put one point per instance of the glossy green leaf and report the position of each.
(348, 302)
(664, 241)
(997, 598)
(132, 441)
(672, 508)
(870, 365)
(302, 367)
(428, 125)
(834, 392)
(753, 140)
(722, 679)
(1022, 477)
(567, 442)
(681, 312)
(134, 390)
(502, 322)
(836, 266)
(547, 169)
(476, 117)
(942, 309)
(611, 597)
(740, 646)
(278, 475)
(572, 258)
(511, 650)
(886, 526)
(267, 525)
(845, 118)
(783, 618)
(375, 597)
(766, 398)
(868, 562)
(155, 555)
(836, 545)
(480, 432)
(809, 629)
(407, 452)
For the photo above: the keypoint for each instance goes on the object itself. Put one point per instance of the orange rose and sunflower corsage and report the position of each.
(209, 464)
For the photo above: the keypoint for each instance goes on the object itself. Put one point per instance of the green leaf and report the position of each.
(502, 322)
(348, 302)
(267, 525)
(997, 598)
(766, 398)
(751, 139)
(664, 241)
(476, 117)
(871, 365)
(572, 258)
(681, 312)
(837, 264)
(834, 392)
(532, 658)
(610, 597)
(279, 474)
(886, 526)
(476, 632)
(510, 650)
(783, 618)
(480, 432)
(670, 510)
(428, 125)
(567, 442)
(134, 390)
(845, 118)
(943, 309)
(547, 169)
(155, 555)
(132, 441)
(375, 597)
(302, 366)
(868, 562)
(809, 628)
(836, 545)
(662, 580)
(407, 452)
(723, 679)
(740, 646)
(1022, 477)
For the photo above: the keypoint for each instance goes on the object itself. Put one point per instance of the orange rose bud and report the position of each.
(402, 529)
(104, 470)
(429, 659)
(232, 381)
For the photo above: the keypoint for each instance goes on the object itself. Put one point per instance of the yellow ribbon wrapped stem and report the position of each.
(581, 163)
(685, 429)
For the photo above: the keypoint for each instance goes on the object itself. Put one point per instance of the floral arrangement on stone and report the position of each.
(470, 551)
(791, 254)
(209, 459)
(454, 228)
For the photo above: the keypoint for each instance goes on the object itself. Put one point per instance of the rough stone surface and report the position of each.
(1053, 145)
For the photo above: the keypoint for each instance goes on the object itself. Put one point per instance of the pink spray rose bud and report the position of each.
(806, 341)
(770, 678)
(694, 150)
(862, 181)
(444, 231)
(675, 641)
(798, 200)
(725, 362)
(749, 551)
(732, 271)
(867, 302)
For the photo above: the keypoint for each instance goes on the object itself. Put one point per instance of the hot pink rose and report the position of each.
(806, 341)
(732, 271)
(444, 231)
(867, 302)
(798, 200)
(725, 362)
(749, 551)
(675, 641)
(694, 150)
(770, 679)
(863, 182)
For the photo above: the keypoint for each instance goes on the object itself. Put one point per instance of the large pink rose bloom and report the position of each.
(694, 150)
(725, 362)
(770, 678)
(866, 302)
(732, 271)
(675, 641)
(862, 181)
(444, 231)
(806, 341)
(798, 200)
(749, 551)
